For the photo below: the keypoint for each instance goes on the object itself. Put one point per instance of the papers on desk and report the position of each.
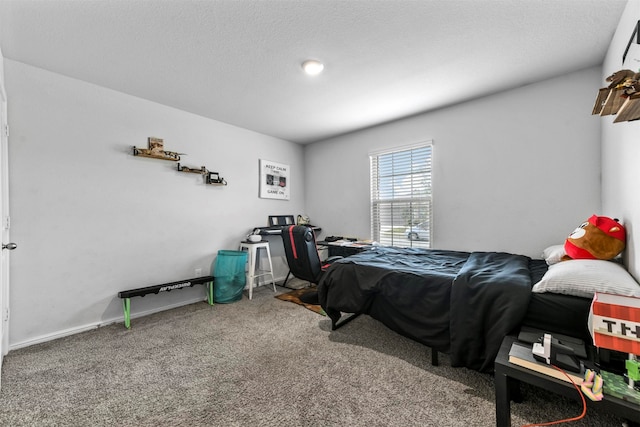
(351, 243)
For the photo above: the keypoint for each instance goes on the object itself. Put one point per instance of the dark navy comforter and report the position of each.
(460, 303)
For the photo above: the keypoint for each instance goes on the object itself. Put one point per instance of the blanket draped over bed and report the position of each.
(459, 303)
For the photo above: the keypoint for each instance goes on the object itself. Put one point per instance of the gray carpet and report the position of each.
(264, 362)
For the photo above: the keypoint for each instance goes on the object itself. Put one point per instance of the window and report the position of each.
(401, 205)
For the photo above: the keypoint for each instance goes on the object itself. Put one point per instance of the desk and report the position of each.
(345, 248)
(508, 375)
(276, 230)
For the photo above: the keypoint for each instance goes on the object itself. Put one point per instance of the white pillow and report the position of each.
(553, 254)
(584, 277)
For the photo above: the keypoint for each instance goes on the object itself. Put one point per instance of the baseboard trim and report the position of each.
(120, 319)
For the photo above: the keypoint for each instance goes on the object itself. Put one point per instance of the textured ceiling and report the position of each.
(238, 61)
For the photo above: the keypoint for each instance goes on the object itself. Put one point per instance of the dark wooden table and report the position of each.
(508, 376)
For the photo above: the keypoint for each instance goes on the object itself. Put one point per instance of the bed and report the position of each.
(460, 303)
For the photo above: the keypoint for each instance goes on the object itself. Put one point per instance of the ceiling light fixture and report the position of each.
(312, 67)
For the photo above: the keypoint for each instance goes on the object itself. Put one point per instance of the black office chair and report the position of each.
(299, 243)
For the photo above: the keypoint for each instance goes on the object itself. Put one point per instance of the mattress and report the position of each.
(563, 314)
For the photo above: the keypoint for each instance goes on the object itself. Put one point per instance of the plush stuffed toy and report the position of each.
(599, 237)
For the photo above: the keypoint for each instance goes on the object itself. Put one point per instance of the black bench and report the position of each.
(165, 287)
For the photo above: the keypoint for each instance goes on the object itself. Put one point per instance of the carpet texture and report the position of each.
(294, 297)
(262, 362)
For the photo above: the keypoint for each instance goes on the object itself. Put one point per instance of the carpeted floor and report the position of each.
(263, 362)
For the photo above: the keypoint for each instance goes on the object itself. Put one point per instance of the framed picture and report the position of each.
(274, 180)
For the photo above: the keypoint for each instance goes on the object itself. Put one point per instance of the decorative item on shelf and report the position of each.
(625, 94)
(156, 151)
(614, 322)
(303, 220)
(601, 99)
(610, 99)
(203, 170)
(630, 109)
(213, 178)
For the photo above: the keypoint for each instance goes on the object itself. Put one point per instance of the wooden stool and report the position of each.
(254, 271)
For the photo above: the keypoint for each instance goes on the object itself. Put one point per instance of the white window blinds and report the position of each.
(401, 204)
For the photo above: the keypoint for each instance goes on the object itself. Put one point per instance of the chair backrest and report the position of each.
(299, 243)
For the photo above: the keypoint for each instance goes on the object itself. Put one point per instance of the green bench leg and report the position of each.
(210, 293)
(126, 305)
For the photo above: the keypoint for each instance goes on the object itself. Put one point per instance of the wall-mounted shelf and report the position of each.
(186, 169)
(621, 97)
(210, 178)
(156, 151)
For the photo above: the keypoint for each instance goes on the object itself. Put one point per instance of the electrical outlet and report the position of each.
(198, 272)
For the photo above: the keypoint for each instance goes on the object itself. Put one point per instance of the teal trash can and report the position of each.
(229, 276)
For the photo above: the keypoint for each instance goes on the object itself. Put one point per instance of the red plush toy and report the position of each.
(600, 237)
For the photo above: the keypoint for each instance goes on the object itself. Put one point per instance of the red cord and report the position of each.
(566, 420)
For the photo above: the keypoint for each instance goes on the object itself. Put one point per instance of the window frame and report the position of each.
(419, 205)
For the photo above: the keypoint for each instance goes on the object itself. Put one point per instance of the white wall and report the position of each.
(621, 149)
(515, 171)
(90, 219)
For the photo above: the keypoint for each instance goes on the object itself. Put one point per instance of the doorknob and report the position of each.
(10, 246)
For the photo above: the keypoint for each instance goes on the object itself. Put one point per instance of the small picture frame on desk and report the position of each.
(275, 220)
